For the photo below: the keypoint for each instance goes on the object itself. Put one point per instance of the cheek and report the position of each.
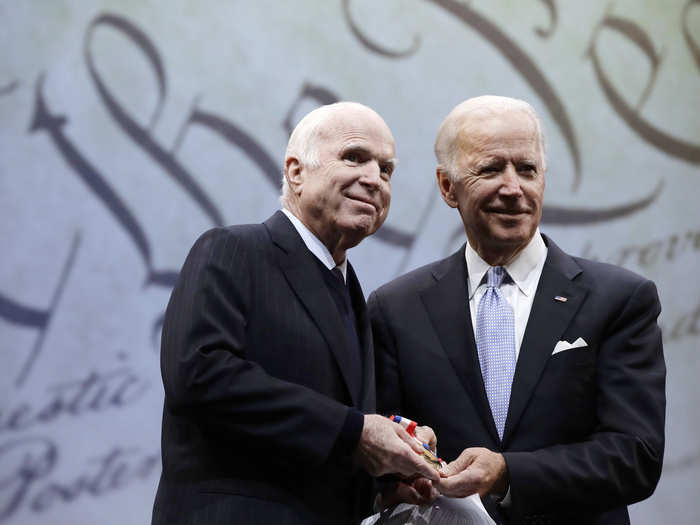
(386, 195)
(535, 192)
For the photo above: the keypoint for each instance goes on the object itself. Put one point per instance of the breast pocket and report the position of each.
(567, 388)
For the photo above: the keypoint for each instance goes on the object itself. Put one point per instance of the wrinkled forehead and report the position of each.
(493, 129)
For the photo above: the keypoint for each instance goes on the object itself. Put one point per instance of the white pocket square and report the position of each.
(565, 345)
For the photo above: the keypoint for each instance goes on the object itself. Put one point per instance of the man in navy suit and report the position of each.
(541, 373)
(266, 353)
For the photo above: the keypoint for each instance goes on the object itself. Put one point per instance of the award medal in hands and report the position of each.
(443, 511)
(429, 455)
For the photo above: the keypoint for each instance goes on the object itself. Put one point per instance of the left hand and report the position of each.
(476, 470)
(419, 491)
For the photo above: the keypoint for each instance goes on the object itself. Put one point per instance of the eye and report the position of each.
(354, 156)
(490, 169)
(387, 168)
(527, 169)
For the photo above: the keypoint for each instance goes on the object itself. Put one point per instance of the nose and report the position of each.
(510, 184)
(371, 176)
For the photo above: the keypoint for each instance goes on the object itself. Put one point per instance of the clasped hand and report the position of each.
(475, 471)
(386, 448)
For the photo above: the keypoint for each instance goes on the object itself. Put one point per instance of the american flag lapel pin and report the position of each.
(560, 298)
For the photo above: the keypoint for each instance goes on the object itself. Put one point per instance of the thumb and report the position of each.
(409, 440)
(459, 464)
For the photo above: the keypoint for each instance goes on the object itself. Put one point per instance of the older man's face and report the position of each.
(347, 197)
(500, 182)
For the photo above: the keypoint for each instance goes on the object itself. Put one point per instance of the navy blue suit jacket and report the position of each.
(253, 359)
(584, 435)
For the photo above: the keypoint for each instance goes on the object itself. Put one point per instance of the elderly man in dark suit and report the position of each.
(266, 354)
(541, 373)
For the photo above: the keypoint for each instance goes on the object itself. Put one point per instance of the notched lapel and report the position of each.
(447, 304)
(305, 279)
(548, 320)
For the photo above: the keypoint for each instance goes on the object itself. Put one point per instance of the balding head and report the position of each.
(337, 174)
(456, 126)
(306, 136)
(491, 167)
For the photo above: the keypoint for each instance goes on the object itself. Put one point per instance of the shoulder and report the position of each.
(610, 283)
(607, 274)
(618, 286)
(230, 249)
(231, 238)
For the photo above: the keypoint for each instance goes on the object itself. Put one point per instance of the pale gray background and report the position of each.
(80, 391)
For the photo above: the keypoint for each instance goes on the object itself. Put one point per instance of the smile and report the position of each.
(508, 212)
(362, 200)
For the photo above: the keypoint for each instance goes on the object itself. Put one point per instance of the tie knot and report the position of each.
(495, 276)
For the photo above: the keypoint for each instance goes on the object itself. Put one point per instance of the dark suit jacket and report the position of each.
(253, 359)
(584, 435)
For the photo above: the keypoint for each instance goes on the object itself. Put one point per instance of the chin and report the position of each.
(361, 228)
(512, 238)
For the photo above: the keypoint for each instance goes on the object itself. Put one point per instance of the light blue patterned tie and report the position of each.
(495, 341)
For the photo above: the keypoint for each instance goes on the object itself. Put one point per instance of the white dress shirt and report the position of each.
(315, 246)
(525, 271)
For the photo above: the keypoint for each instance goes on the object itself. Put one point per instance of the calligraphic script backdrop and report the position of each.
(128, 128)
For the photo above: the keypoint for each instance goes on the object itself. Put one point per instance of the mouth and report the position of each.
(363, 200)
(509, 212)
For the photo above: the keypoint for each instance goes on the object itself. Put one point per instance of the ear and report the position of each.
(447, 188)
(293, 172)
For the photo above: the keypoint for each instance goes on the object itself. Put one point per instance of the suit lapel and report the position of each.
(447, 304)
(305, 279)
(548, 320)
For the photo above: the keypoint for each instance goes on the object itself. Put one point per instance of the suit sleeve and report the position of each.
(207, 373)
(620, 462)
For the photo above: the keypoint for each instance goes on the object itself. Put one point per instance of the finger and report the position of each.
(409, 464)
(424, 487)
(412, 496)
(428, 492)
(409, 440)
(424, 469)
(458, 465)
(459, 486)
(426, 435)
(452, 469)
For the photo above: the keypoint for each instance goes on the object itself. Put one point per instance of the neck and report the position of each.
(497, 255)
(335, 244)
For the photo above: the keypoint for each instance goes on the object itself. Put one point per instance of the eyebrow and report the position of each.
(393, 162)
(490, 161)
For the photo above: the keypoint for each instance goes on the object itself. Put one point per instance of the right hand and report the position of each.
(386, 448)
(476, 470)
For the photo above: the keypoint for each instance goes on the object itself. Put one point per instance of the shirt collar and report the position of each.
(522, 269)
(315, 246)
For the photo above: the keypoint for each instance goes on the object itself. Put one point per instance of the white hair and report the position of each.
(446, 141)
(304, 140)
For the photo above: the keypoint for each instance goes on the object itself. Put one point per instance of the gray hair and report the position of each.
(446, 141)
(304, 140)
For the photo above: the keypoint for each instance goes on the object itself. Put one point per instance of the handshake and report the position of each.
(407, 450)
